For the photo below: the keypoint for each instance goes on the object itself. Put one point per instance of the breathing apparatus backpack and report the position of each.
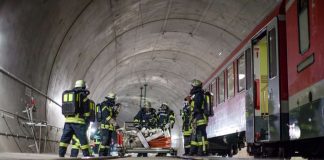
(98, 112)
(72, 102)
(92, 107)
(208, 104)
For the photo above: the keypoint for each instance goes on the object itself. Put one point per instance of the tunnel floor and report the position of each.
(34, 156)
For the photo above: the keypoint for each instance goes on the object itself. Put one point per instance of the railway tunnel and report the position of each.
(115, 46)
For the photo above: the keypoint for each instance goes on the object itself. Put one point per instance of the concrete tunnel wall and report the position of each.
(115, 46)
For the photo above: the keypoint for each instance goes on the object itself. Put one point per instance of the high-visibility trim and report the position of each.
(62, 144)
(84, 147)
(76, 139)
(201, 122)
(65, 97)
(187, 146)
(77, 97)
(75, 146)
(187, 133)
(74, 120)
(107, 126)
(204, 143)
(86, 114)
(193, 143)
(85, 99)
(103, 147)
(108, 118)
(70, 97)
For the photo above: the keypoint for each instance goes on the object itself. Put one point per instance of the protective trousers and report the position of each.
(80, 131)
(193, 143)
(187, 144)
(75, 147)
(104, 148)
(202, 140)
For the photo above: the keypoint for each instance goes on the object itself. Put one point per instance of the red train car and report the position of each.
(269, 91)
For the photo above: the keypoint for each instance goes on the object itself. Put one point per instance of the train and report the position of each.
(269, 93)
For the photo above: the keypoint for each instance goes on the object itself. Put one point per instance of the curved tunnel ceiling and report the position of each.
(118, 45)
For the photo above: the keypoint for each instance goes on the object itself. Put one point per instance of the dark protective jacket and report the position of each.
(198, 106)
(145, 119)
(165, 116)
(107, 114)
(186, 117)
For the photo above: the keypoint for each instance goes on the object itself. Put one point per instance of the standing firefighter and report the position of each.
(108, 124)
(76, 109)
(186, 126)
(75, 141)
(199, 120)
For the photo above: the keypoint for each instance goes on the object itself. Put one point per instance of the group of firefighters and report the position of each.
(79, 111)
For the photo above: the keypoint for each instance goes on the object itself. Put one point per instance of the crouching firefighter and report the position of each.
(186, 127)
(108, 124)
(199, 143)
(76, 109)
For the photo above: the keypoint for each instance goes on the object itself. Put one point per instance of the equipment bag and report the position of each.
(92, 106)
(99, 112)
(208, 104)
(70, 102)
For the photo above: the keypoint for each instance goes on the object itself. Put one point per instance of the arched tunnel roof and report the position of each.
(118, 45)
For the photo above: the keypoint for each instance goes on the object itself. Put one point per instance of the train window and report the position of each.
(303, 27)
(272, 53)
(241, 73)
(213, 90)
(230, 81)
(221, 88)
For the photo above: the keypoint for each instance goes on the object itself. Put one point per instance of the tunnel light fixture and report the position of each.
(241, 76)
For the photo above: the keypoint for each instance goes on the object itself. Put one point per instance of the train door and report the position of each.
(273, 82)
(260, 82)
(262, 98)
(249, 97)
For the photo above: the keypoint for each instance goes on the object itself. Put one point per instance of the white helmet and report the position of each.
(111, 95)
(80, 84)
(147, 104)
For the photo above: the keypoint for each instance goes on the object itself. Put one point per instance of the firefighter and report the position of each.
(166, 120)
(108, 124)
(144, 120)
(199, 120)
(166, 117)
(75, 123)
(186, 127)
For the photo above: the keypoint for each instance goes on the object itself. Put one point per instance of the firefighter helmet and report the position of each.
(111, 95)
(164, 106)
(80, 84)
(147, 104)
(196, 83)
